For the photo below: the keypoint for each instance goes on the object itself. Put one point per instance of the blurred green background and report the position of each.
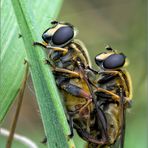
(119, 23)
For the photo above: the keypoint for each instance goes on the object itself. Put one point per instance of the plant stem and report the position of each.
(20, 99)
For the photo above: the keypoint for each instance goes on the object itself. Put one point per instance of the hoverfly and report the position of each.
(114, 78)
(69, 60)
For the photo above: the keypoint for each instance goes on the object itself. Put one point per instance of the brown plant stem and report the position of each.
(20, 99)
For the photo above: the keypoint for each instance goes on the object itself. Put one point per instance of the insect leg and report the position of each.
(101, 118)
(89, 137)
(66, 72)
(44, 45)
(113, 95)
(63, 71)
(122, 120)
(115, 73)
(127, 100)
(73, 89)
(106, 94)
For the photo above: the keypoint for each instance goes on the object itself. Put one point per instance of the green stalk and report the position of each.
(51, 109)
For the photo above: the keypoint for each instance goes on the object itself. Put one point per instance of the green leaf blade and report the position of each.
(11, 60)
(52, 113)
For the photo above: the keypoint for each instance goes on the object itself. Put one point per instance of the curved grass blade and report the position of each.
(52, 113)
(11, 58)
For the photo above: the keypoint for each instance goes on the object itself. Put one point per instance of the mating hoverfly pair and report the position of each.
(95, 101)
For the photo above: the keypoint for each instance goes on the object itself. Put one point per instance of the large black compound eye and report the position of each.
(114, 61)
(63, 35)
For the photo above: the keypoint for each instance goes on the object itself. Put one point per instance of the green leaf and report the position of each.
(33, 18)
(12, 58)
